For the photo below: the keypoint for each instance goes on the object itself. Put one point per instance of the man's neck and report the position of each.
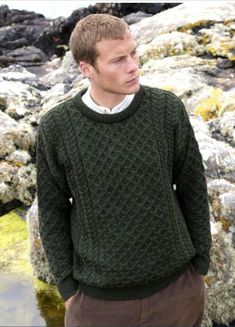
(108, 100)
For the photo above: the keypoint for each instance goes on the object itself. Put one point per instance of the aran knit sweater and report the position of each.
(122, 198)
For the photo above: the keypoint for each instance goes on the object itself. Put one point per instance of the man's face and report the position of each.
(116, 71)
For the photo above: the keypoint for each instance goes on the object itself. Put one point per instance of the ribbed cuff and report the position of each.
(67, 287)
(201, 263)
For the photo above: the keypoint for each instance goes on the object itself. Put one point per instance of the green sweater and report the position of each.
(123, 206)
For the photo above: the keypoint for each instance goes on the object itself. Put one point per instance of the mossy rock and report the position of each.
(15, 260)
(49, 302)
(210, 107)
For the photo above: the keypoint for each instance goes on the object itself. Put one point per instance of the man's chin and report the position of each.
(136, 88)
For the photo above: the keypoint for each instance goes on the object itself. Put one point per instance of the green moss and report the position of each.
(14, 247)
(50, 304)
(210, 107)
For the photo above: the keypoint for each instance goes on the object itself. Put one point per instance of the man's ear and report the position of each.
(86, 69)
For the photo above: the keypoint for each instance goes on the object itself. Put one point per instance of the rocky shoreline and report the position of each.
(187, 49)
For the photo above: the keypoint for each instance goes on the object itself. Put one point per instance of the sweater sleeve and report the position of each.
(191, 189)
(54, 208)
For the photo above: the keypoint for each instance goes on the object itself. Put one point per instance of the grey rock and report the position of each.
(220, 285)
(134, 18)
(184, 17)
(228, 205)
(37, 255)
(28, 56)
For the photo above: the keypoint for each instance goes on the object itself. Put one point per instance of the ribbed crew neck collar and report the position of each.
(109, 118)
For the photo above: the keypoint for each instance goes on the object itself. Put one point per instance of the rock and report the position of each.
(7, 187)
(11, 45)
(224, 63)
(28, 56)
(218, 157)
(20, 32)
(227, 126)
(220, 290)
(228, 206)
(67, 73)
(134, 18)
(170, 44)
(219, 186)
(18, 182)
(186, 79)
(18, 73)
(57, 94)
(183, 17)
(22, 157)
(20, 98)
(9, 17)
(37, 255)
(30, 39)
(6, 60)
(29, 32)
(219, 40)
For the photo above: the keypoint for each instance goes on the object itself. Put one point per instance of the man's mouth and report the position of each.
(133, 80)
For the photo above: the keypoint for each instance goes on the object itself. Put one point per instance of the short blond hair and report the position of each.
(92, 29)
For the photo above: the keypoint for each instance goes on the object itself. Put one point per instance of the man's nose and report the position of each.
(132, 64)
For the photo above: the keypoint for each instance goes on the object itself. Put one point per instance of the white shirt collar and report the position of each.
(86, 98)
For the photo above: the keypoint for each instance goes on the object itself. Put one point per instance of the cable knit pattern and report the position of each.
(111, 222)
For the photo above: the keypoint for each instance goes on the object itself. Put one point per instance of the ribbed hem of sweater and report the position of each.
(67, 287)
(201, 263)
(131, 293)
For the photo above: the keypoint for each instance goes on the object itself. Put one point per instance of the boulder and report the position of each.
(185, 17)
(220, 281)
(20, 92)
(28, 56)
(17, 172)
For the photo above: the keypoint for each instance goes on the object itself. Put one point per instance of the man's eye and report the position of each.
(134, 52)
(119, 59)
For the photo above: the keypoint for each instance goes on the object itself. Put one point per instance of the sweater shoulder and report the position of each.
(164, 95)
(55, 113)
(171, 105)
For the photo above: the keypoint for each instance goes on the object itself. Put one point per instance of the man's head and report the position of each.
(92, 29)
(106, 52)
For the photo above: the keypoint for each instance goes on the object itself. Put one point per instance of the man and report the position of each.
(123, 207)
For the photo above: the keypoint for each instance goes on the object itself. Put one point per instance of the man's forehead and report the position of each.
(117, 45)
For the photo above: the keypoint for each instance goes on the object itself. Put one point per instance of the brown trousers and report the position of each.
(181, 304)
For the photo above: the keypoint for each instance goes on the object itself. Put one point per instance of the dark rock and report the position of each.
(124, 9)
(4, 11)
(22, 29)
(11, 45)
(15, 16)
(6, 61)
(224, 63)
(28, 55)
(6, 207)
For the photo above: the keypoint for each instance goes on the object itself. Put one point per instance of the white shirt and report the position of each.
(86, 98)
